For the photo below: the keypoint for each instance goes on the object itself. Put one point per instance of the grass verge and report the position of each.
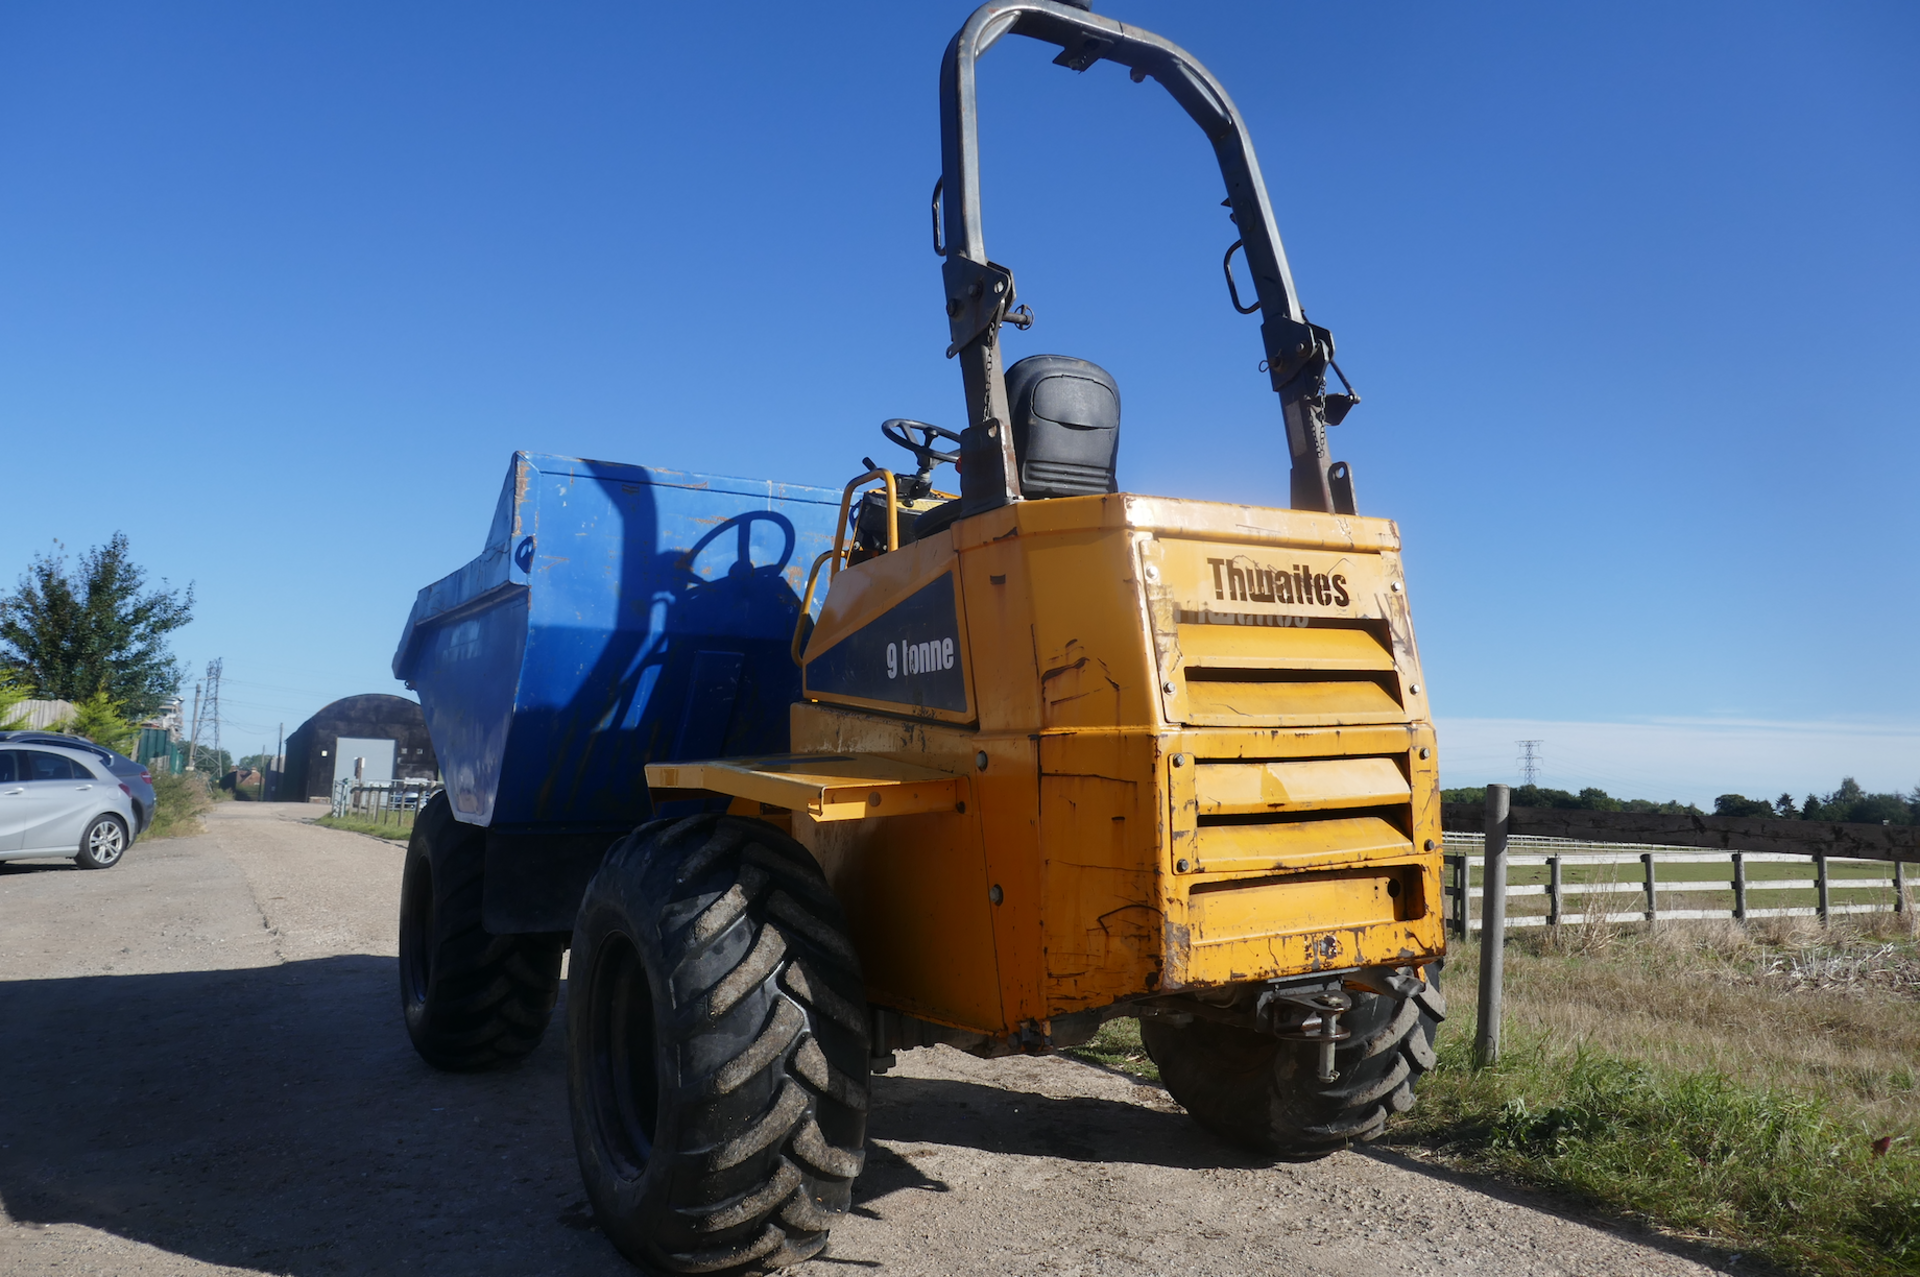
(1751, 1089)
(389, 831)
(178, 802)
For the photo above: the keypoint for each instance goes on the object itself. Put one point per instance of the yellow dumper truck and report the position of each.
(1052, 754)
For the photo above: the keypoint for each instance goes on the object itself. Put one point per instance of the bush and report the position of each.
(177, 804)
(99, 718)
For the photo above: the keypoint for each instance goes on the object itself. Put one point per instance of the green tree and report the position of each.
(1854, 805)
(1588, 799)
(101, 720)
(70, 636)
(12, 717)
(1738, 805)
(1594, 799)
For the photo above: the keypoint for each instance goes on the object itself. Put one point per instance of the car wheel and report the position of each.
(103, 844)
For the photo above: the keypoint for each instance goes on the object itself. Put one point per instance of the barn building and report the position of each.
(371, 737)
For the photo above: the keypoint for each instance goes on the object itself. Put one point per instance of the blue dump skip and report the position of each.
(618, 616)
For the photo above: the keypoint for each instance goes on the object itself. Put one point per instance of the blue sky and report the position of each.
(1627, 289)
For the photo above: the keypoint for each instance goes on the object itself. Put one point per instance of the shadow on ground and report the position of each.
(277, 1118)
(1027, 1124)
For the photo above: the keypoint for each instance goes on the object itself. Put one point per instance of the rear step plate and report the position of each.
(824, 786)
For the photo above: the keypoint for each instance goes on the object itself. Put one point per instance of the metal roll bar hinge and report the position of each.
(978, 295)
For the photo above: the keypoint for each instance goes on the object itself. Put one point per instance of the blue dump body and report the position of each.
(617, 616)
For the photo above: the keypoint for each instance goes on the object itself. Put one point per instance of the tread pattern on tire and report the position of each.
(1261, 1092)
(762, 1030)
(488, 998)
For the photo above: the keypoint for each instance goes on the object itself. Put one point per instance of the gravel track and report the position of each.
(205, 1072)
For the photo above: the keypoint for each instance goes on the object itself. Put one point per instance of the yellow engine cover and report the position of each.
(1197, 744)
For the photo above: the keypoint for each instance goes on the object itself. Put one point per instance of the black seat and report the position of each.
(1066, 426)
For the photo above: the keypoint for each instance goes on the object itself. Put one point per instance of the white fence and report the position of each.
(382, 800)
(1466, 853)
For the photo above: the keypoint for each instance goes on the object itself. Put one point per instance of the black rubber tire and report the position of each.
(717, 1049)
(1263, 1093)
(472, 1000)
(103, 851)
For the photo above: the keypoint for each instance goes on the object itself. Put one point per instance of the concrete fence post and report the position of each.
(1493, 927)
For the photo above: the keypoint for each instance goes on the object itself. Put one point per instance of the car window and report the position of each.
(6, 767)
(36, 765)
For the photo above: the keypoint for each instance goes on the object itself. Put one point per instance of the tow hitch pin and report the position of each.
(1320, 1024)
(1329, 1035)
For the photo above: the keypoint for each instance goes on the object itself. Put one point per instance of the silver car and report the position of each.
(62, 800)
(136, 777)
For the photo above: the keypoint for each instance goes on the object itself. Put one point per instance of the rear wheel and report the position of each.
(1264, 1093)
(472, 1000)
(717, 1049)
(103, 844)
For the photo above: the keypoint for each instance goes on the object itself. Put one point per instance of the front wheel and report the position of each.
(717, 1049)
(103, 844)
(1264, 1093)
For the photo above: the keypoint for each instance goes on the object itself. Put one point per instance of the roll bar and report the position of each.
(980, 293)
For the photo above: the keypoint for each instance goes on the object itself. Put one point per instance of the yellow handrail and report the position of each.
(846, 504)
(806, 601)
(838, 553)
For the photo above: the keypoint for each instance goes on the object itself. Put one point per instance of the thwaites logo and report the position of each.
(1244, 581)
(906, 659)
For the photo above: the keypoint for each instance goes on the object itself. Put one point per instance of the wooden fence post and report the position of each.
(1493, 927)
(1653, 908)
(1553, 891)
(1826, 893)
(1899, 887)
(1739, 886)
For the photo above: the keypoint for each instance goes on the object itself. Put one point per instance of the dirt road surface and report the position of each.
(205, 1072)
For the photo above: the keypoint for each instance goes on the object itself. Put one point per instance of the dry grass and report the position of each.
(1751, 1087)
(1782, 1002)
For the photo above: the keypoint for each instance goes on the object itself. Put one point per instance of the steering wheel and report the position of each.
(900, 430)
